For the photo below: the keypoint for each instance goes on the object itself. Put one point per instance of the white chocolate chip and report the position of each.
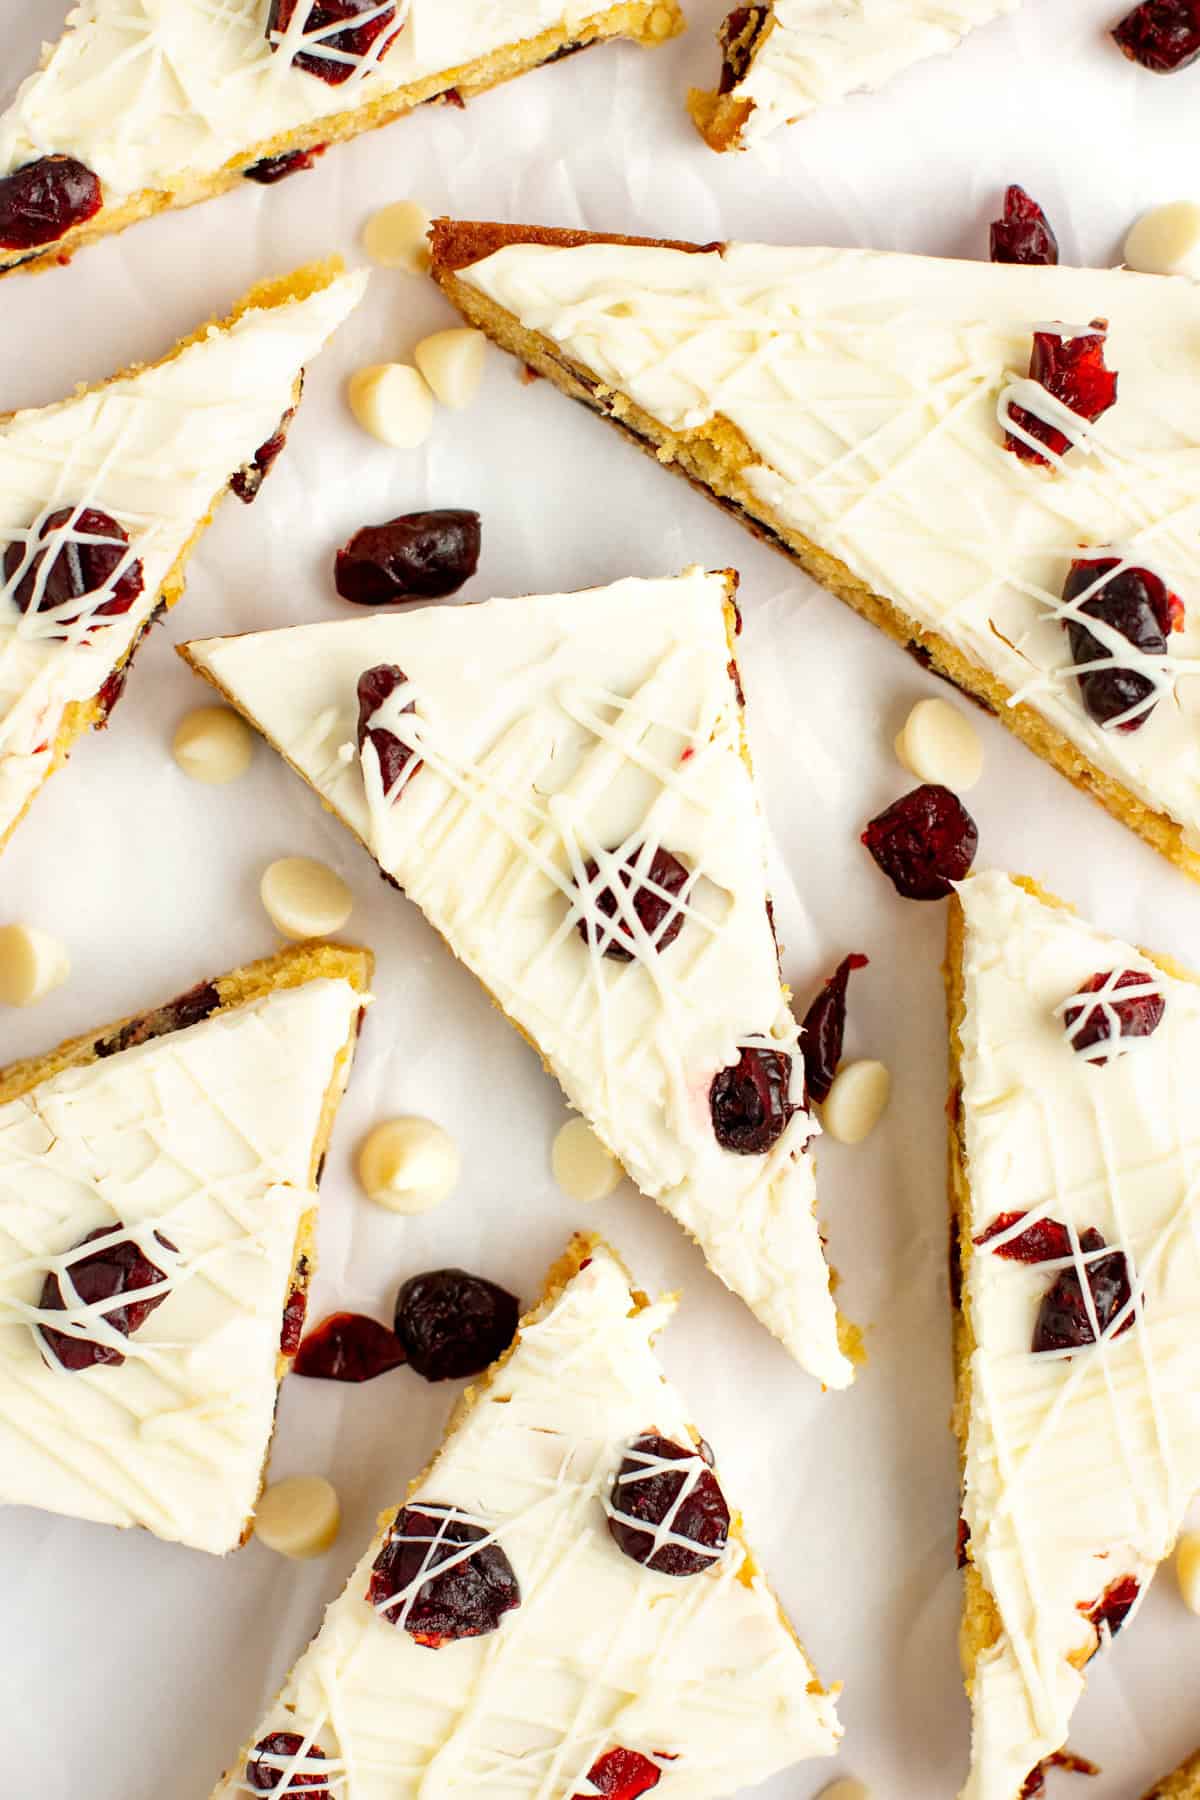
(845, 1789)
(213, 745)
(299, 1517)
(452, 364)
(1166, 240)
(303, 898)
(1187, 1568)
(408, 1165)
(32, 964)
(393, 403)
(940, 744)
(397, 237)
(855, 1102)
(583, 1167)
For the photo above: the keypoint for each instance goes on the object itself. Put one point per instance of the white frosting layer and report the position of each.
(1079, 1467)
(150, 93)
(818, 51)
(867, 385)
(153, 451)
(553, 730)
(204, 1136)
(600, 1652)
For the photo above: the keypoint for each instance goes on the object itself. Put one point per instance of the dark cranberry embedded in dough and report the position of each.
(738, 38)
(749, 1102)
(1064, 1319)
(419, 556)
(295, 1311)
(1114, 1606)
(1073, 370)
(349, 1347)
(422, 1580)
(81, 565)
(452, 1324)
(1023, 234)
(375, 686)
(1161, 35)
(622, 1775)
(324, 41)
(186, 1009)
(664, 1499)
(1046, 1240)
(277, 168)
(924, 842)
(42, 201)
(267, 1767)
(247, 480)
(119, 1267)
(824, 1029)
(1138, 1015)
(652, 903)
(1139, 606)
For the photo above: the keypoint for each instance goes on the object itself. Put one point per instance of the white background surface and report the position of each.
(129, 1669)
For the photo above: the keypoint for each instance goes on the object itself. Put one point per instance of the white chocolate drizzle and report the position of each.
(1106, 1001)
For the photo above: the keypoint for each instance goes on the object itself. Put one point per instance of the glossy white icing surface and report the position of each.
(1080, 1466)
(867, 386)
(554, 731)
(153, 451)
(700, 1675)
(150, 93)
(818, 51)
(204, 1137)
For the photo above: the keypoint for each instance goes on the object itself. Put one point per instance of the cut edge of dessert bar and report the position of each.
(712, 457)
(1182, 1784)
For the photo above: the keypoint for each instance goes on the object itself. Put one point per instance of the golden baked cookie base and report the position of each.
(721, 118)
(1183, 1784)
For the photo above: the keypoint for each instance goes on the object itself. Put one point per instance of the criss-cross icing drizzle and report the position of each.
(647, 1465)
(1080, 1463)
(866, 387)
(701, 1675)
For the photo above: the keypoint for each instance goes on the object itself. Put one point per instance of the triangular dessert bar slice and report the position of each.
(563, 1606)
(104, 495)
(997, 464)
(157, 1207)
(1075, 1147)
(561, 784)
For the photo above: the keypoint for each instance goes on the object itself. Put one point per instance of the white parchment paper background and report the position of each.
(129, 1670)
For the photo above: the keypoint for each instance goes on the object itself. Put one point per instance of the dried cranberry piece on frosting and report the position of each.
(43, 200)
(651, 903)
(1131, 1001)
(81, 564)
(1070, 366)
(749, 1101)
(1114, 1606)
(333, 44)
(1161, 35)
(268, 1770)
(1046, 1240)
(375, 686)
(429, 1581)
(452, 1324)
(1139, 606)
(622, 1775)
(247, 480)
(419, 556)
(349, 1347)
(1023, 234)
(923, 842)
(1064, 1320)
(119, 1267)
(666, 1510)
(824, 1029)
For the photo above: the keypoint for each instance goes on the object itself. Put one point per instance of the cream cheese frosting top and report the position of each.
(152, 93)
(555, 731)
(700, 1675)
(152, 450)
(868, 387)
(1080, 1465)
(203, 1138)
(817, 51)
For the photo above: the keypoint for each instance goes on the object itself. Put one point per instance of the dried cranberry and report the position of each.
(1023, 235)
(1072, 369)
(422, 1581)
(81, 565)
(452, 1324)
(1161, 35)
(824, 1029)
(1035, 1781)
(120, 1267)
(42, 201)
(186, 1009)
(277, 168)
(1114, 1606)
(964, 1541)
(1138, 605)
(332, 54)
(349, 1347)
(1046, 1240)
(665, 1499)
(295, 1312)
(622, 1775)
(267, 1766)
(1064, 1321)
(651, 903)
(1091, 1022)
(247, 480)
(924, 842)
(738, 38)
(419, 556)
(375, 686)
(749, 1101)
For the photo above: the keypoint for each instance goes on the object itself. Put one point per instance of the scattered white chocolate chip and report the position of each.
(299, 1517)
(303, 898)
(408, 1165)
(940, 744)
(1187, 1568)
(32, 964)
(583, 1167)
(452, 364)
(1166, 240)
(397, 237)
(393, 403)
(213, 745)
(856, 1100)
(845, 1789)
